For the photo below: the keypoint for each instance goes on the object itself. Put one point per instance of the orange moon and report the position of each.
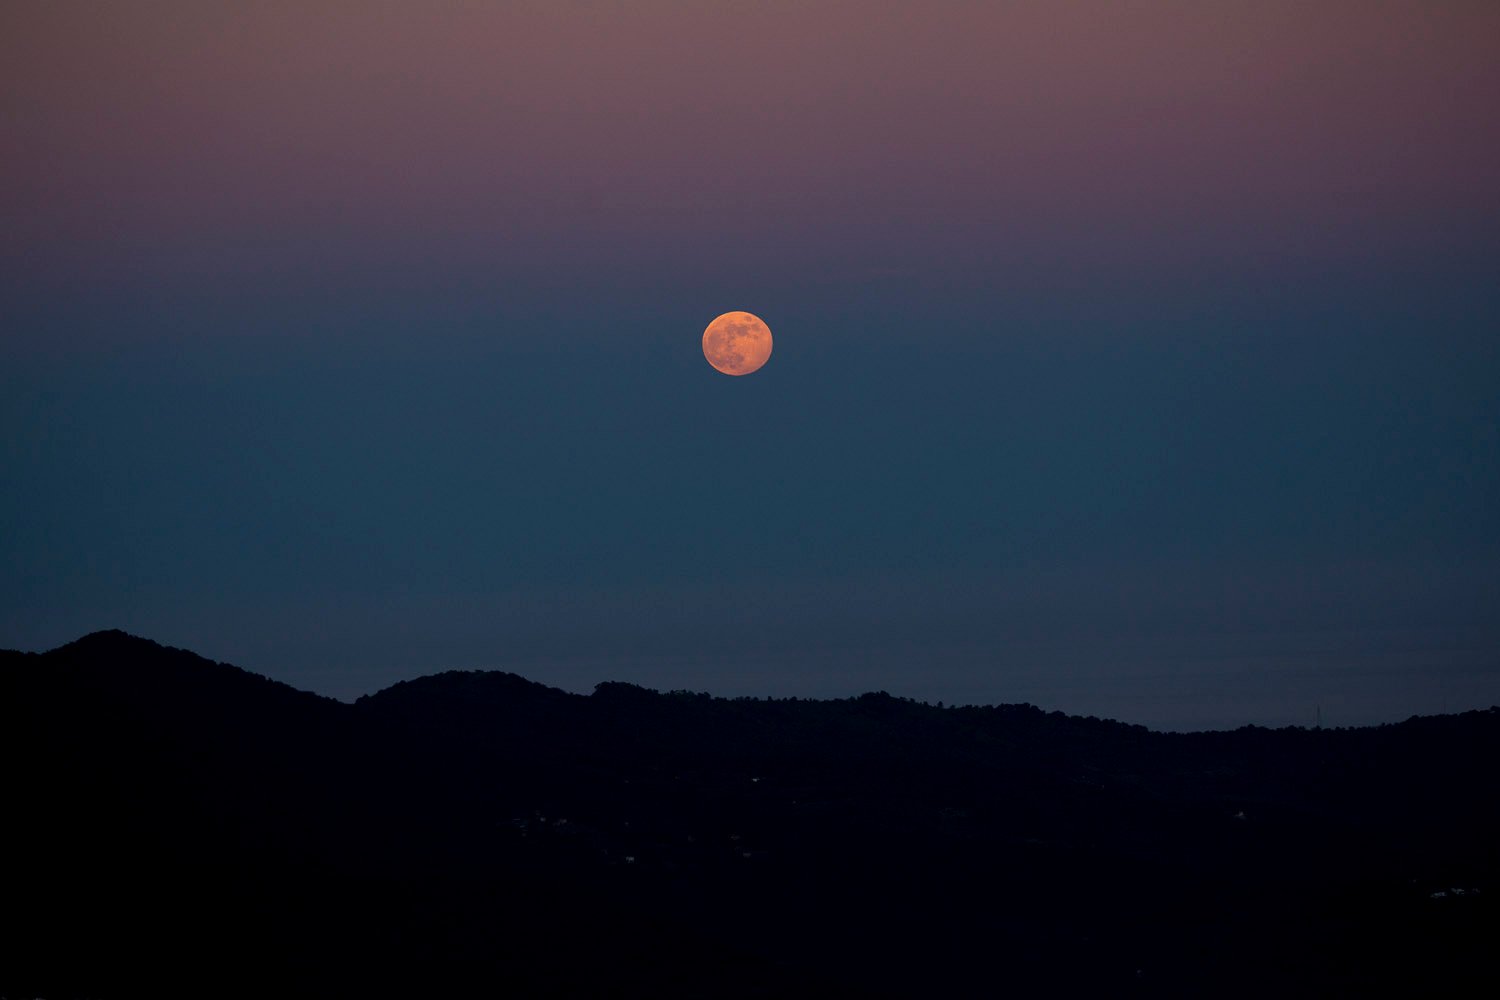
(737, 343)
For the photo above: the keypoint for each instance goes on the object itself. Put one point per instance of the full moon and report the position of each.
(737, 343)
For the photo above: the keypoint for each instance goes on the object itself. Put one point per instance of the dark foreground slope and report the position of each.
(177, 827)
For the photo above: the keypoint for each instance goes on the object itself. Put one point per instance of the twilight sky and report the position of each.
(1139, 360)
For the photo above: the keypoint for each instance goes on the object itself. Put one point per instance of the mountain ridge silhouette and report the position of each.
(478, 830)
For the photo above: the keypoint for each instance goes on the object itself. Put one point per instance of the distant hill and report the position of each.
(178, 827)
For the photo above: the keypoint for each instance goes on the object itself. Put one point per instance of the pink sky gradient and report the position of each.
(355, 142)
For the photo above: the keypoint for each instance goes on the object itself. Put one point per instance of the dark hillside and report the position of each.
(180, 827)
